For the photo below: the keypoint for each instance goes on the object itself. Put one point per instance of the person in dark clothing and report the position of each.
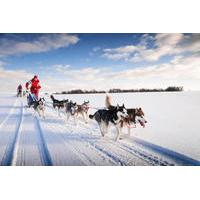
(19, 91)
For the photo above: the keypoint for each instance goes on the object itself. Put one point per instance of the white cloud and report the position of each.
(164, 44)
(60, 68)
(10, 79)
(181, 71)
(42, 43)
(116, 56)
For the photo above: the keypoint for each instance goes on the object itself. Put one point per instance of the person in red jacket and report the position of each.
(35, 86)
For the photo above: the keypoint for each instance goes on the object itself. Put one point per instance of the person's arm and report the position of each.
(39, 86)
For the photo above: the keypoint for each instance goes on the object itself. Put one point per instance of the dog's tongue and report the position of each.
(142, 124)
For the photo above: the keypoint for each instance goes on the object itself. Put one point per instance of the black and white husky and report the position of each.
(58, 104)
(83, 110)
(39, 107)
(105, 118)
(135, 115)
(71, 110)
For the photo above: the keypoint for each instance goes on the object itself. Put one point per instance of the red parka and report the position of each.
(35, 86)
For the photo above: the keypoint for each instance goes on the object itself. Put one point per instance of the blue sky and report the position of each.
(99, 61)
(85, 52)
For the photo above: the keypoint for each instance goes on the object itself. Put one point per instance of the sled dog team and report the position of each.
(118, 116)
(71, 109)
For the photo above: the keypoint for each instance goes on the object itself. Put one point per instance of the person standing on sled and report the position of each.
(34, 89)
(35, 86)
(19, 91)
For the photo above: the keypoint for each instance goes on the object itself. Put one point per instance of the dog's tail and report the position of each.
(91, 116)
(108, 101)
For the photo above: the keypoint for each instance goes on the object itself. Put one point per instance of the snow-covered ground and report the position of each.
(170, 138)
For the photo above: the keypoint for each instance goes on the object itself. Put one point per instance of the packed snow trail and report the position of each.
(31, 145)
(10, 131)
(6, 107)
(26, 139)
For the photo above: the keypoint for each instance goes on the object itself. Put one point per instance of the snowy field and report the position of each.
(171, 136)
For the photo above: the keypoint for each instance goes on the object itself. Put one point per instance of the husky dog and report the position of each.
(83, 110)
(71, 110)
(59, 104)
(39, 107)
(106, 117)
(135, 115)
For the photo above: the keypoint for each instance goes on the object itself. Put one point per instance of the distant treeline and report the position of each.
(79, 91)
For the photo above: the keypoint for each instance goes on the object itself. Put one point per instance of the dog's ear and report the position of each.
(123, 105)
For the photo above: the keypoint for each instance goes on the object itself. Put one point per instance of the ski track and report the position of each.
(42, 144)
(9, 113)
(61, 153)
(173, 157)
(10, 133)
(32, 148)
(27, 139)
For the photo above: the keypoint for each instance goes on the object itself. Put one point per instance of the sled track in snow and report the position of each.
(80, 153)
(149, 158)
(140, 153)
(178, 158)
(146, 156)
(109, 154)
(45, 155)
(10, 153)
(117, 159)
(9, 113)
